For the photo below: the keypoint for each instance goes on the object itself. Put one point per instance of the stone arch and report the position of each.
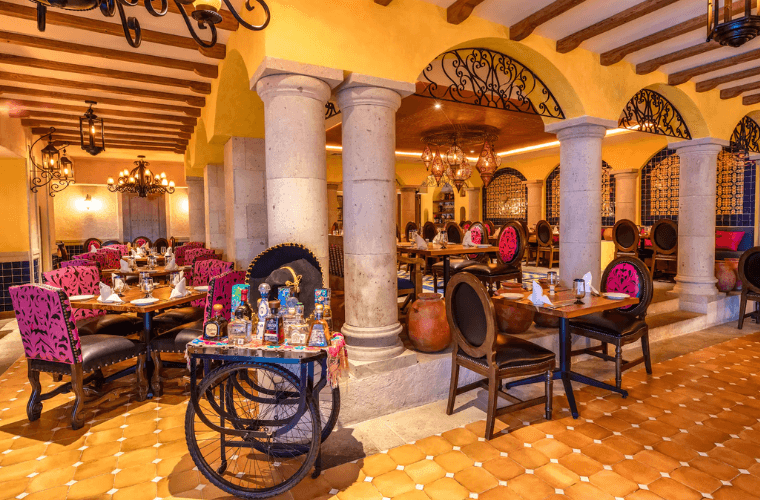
(668, 111)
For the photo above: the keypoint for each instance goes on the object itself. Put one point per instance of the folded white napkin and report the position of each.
(467, 240)
(537, 296)
(589, 286)
(168, 252)
(182, 275)
(106, 294)
(180, 290)
(421, 244)
(171, 265)
(437, 239)
(124, 266)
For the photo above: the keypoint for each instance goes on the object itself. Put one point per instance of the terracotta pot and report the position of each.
(607, 234)
(733, 263)
(511, 319)
(428, 326)
(546, 321)
(725, 275)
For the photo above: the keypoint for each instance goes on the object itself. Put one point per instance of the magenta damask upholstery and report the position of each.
(623, 277)
(140, 241)
(194, 244)
(180, 253)
(478, 235)
(119, 249)
(204, 270)
(78, 280)
(44, 320)
(194, 253)
(79, 262)
(509, 245)
(220, 292)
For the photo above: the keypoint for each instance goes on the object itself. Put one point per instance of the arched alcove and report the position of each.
(506, 197)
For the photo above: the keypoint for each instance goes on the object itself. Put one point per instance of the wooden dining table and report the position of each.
(445, 254)
(566, 309)
(157, 272)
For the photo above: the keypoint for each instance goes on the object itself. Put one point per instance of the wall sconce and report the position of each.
(87, 202)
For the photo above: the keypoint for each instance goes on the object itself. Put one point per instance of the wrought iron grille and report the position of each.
(746, 135)
(506, 197)
(552, 197)
(735, 188)
(650, 112)
(331, 110)
(660, 187)
(608, 196)
(483, 77)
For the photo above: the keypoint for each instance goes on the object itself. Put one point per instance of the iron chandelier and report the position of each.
(55, 170)
(732, 32)
(206, 14)
(141, 181)
(91, 131)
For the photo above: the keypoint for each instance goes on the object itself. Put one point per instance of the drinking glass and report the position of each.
(163, 250)
(174, 279)
(579, 288)
(412, 235)
(444, 239)
(553, 279)
(148, 287)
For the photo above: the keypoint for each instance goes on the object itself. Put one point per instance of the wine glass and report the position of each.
(148, 287)
(163, 250)
(174, 279)
(553, 279)
(444, 239)
(579, 288)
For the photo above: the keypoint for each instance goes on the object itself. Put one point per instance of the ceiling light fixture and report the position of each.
(91, 131)
(206, 14)
(55, 170)
(459, 169)
(731, 32)
(140, 181)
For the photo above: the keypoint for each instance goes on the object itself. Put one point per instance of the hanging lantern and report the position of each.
(732, 32)
(486, 164)
(51, 157)
(67, 166)
(461, 174)
(437, 169)
(427, 157)
(454, 156)
(91, 131)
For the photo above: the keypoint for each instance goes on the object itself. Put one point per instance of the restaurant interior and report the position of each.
(272, 249)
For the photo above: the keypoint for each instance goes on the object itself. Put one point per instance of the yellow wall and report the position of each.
(73, 222)
(13, 193)
(178, 215)
(89, 170)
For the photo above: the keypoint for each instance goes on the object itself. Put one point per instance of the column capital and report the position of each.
(333, 185)
(409, 189)
(358, 90)
(628, 173)
(272, 66)
(701, 145)
(582, 126)
(293, 85)
(534, 182)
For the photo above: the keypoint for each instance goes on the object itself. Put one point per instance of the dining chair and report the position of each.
(140, 241)
(479, 235)
(175, 339)
(509, 258)
(52, 344)
(455, 235)
(429, 231)
(545, 242)
(749, 273)
(477, 347)
(410, 226)
(109, 243)
(621, 326)
(193, 255)
(490, 227)
(410, 288)
(465, 224)
(79, 262)
(91, 243)
(62, 251)
(84, 280)
(161, 242)
(664, 237)
(625, 236)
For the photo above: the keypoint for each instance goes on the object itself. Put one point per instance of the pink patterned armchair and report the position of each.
(206, 269)
(52, 344)
(119, 249)
(79, 262)
(181, 251)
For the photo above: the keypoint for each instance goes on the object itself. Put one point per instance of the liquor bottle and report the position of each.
(299, 330)
(319, 332)
(216, 326)
(244, 307)
(287, 322)
(327, 316)
(263, 311)
(239, 329)
(273, 330)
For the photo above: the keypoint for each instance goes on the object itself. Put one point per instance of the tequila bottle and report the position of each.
(263, 311)
(320, 332)
(273, 332)
(244, 307)
(239, 329)
(299, 329)
(216, 326)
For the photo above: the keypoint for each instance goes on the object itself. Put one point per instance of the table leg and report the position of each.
(565, 346)
(446, 272)
(146, 337)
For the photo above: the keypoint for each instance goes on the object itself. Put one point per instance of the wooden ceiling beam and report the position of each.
(200, 69)
(687, 74)
(738, 90)
(14, 104)
(45, 116)
(145, 147)
(706, 85)
(196, 101)
(521, 29)
(749, 100)
(30, 62)
(384, 3)
(17, 11)
(73, 137)
(460, 10)
(696, 23)
(38, 124)
(679, 55)
(37, 93)
(573, 41)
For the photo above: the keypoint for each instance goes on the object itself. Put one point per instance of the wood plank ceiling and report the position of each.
(150, 97)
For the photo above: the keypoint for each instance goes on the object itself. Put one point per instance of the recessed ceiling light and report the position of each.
(438, 105)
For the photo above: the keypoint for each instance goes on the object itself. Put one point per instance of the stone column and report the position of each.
(369, 109)
(245, 199)
(196, 208)
(473, 204)
(216, 220)
(696, 215)
(332, 203)
(294, 96)
(534, 201)
(626, 189)
(580, 205)
(408, 199)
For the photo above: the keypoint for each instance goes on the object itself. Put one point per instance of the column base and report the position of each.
(695, 285)
(374, 343)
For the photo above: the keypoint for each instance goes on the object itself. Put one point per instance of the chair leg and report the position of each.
(549, 393)
(604, 348)
(454, 383)
(77, 385)
(646, 353)
(493, 397)
(618, 366)
(34, 406)
(435, 282)
(155, 383)
(142, 378)
(742, 310)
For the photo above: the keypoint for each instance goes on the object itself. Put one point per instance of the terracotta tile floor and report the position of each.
(690, 431)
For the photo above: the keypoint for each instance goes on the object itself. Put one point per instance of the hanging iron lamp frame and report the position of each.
(92, 124)
(733, 32)
(58, 174)
(142, 182)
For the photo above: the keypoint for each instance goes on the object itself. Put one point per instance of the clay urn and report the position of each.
(510, 319)
(428, 325)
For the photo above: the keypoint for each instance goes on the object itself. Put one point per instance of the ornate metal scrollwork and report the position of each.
(650, 112)
(746, 135)
(483, 77)
(331, 110)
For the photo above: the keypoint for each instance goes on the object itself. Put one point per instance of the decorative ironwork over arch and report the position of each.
(506, 197)
(331, 109)
(608, 196)
(746, 135)
(483, 77)
(650, 112)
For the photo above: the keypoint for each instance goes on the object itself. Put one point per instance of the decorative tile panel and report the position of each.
(506, 197)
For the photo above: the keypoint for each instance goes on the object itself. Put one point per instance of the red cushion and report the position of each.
(555, 239)
(647, 242)
(728, 240)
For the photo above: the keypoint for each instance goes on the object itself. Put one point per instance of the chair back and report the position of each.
(63, 253)
(120, 249)
(109, 243)
(664, 237)
(194, 254)
(749, 269)
(490, 226)
(106, 259)
(479, 235)
(429, 231)
(454, 232)
(77, 280)
(465, 225)
(140, 241)
(471, 315)
(44, 321)
(544, 234)
(91, 243)
(220, 292)
(204, 270)
(629, 275)
(336, 257)
(625, 235)
(512, 241)
(410, 226)
(160, 242)
(79, 262)
(194, 244)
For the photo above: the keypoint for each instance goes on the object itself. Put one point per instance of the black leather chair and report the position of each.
(664, 236)
(545, 242)
(625, 236)
(620, 326)
(479, 348)
(161, 242)
(749, 273)
(509, 258)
